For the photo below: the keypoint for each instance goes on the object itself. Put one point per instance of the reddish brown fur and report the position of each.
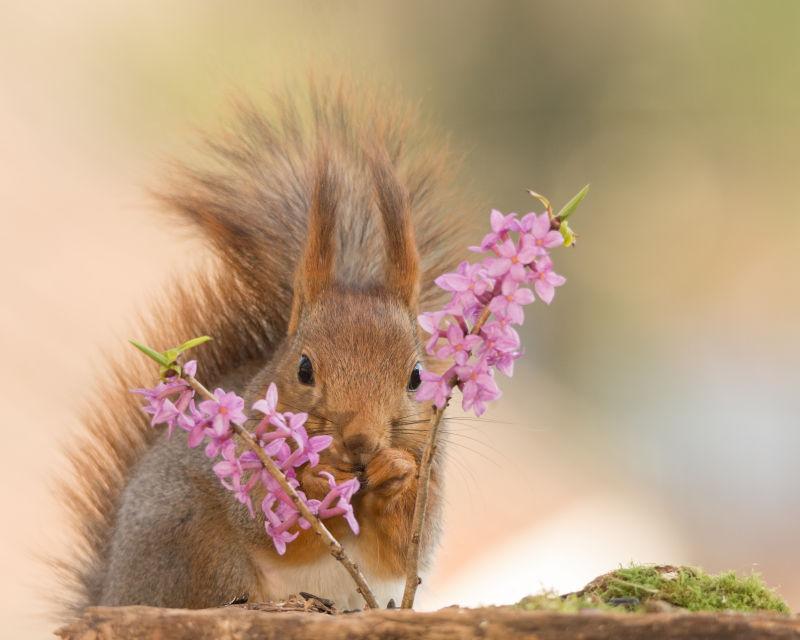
(402, 258)
(347, 334)
(316, 270)
(251, 203)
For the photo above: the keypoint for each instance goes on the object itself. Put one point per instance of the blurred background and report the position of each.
(654, 417)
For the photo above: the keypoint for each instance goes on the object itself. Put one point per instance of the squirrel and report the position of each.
(330, 216)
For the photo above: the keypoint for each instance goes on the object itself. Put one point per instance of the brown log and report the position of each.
(492, 623)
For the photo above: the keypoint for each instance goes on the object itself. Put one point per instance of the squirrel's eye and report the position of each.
(305, 372)
(415, 380)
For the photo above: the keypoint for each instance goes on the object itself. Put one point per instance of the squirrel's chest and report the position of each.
(322, 577)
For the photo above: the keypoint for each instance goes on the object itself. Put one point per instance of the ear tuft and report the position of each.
(315, 271)
(402, 257)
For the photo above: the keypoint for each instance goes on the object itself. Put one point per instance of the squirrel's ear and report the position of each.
(315, 271)
(402, 258)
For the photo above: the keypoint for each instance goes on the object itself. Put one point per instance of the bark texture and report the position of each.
(492, 623)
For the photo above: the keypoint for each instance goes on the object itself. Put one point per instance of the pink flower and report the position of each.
(195, 423)
(501, 226)
(512, 259)
(280, 451)
(317, 444)
(233, 467)
(458, 346)
(229, 467)
(431, 321)
(224, 409)
(190, 368)
(249, 461)
(500, 347)
(217, 444)
(462, 308)
(499, 284)
(278, 522)
(477, 386)
(165, 413)
(543, 236)
(503, 361)
(545, 279)
(162, 409)
(308, 450)
(453, 282)
(342, 493)
(467, 277)
(269, 404)
(435, 388)
(499, 334)
(295, 425)
(509, 303)
(468, 285)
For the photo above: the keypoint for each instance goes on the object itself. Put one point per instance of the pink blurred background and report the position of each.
(654, 417)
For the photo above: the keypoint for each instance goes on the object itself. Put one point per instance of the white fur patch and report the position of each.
(324, 577)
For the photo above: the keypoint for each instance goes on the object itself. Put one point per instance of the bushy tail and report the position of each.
(249, 198)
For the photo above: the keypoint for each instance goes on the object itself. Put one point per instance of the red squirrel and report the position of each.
(330, 216)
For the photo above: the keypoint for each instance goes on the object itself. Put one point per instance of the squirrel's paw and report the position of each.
(390, 472)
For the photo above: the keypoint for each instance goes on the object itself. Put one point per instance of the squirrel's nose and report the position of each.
(360, 445)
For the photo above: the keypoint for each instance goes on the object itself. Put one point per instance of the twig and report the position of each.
(421, 505)
(320, 529)
(423, 487)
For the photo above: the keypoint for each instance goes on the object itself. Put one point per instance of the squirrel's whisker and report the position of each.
(446, 437)
(411, 422)
(477, 419)
(411, 415)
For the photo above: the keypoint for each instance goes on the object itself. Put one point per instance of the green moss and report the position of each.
(567, 604)
(683, 587)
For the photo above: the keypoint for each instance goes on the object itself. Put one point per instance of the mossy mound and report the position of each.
(644, 587)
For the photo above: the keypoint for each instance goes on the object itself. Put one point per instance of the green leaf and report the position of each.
(172, 354)
(568, 208)
(151, 353)
(191, 344)
(567, 234)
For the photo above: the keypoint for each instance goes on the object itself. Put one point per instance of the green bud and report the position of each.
(173, 369)
(568, 208)
(567, 233)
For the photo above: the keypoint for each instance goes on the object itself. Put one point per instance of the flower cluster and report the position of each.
(281, 435)
(476, 328)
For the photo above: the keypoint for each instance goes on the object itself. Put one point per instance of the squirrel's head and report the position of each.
(351, 358)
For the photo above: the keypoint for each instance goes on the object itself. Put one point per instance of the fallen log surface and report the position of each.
(490, 623)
